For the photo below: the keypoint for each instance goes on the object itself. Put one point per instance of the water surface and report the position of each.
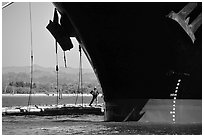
(89, 125)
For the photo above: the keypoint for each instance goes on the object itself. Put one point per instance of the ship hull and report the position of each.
(155, 111)
(160, 110)
(137, 53)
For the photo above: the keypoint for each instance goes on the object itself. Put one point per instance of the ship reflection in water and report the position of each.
(89, 125)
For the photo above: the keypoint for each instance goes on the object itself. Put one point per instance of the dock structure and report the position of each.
(54, 110)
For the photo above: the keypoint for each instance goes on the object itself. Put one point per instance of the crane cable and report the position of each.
(31, 40)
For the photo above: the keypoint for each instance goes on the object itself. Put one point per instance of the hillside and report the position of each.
(46, 77)
(26, 69)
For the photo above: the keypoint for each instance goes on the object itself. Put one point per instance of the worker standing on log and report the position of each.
(94, 94)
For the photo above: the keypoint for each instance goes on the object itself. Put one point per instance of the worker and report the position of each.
(95, 95)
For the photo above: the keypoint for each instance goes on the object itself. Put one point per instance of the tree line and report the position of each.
(21, 87)
(21, 84)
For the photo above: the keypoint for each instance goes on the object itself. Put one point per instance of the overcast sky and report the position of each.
(16, 37)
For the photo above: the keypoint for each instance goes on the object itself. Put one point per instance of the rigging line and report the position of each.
(81, 73)
(7, 4)
(31, 79)
(65, 62)
(78, 89)
(77, 96)
(57, 70)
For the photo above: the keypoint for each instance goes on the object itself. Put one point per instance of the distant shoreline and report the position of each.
(21, 95)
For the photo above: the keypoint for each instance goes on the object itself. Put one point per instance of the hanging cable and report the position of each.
(57, 70)
(55, 20)
(7, 4)
(65, 62)
(79, 90)
(80, 74)
(31, 42)
(77, 95)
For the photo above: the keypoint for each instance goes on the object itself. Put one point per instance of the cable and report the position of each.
(57, 70)
(7, 4)
(80, 77)
(80, 74)
(65, 62)
(31, 79)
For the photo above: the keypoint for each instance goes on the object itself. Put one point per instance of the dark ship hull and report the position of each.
(138, 55)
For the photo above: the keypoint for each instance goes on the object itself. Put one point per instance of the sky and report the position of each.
(16, 37)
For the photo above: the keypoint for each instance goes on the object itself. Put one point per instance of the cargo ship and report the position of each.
(146, 56)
